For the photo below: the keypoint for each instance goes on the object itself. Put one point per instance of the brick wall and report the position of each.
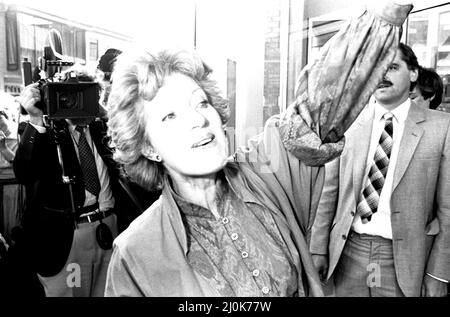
(272, 60)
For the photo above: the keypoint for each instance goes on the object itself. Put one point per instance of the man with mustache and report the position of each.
(383, 223)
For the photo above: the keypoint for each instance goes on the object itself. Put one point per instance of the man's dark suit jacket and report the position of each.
(48, 228)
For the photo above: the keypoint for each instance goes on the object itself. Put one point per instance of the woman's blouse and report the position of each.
(241, 253)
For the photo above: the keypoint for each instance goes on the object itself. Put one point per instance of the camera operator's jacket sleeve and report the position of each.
(31, 155)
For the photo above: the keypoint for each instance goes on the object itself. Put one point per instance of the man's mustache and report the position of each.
(385, 83)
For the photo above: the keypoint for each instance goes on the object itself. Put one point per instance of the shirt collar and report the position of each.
(232, 182)
(71, 127)
(194, 210)
(400, 112)
(238, 183)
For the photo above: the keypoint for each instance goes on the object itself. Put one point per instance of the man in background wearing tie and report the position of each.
(70, 251)
(383, 223)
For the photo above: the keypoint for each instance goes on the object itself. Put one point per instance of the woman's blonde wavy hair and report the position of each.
(137, 78)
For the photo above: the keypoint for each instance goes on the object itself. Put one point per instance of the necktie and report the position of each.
(87, 163)
(370, 196)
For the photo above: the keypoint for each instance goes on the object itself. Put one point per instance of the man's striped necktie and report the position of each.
(87, 163)
(370, 195)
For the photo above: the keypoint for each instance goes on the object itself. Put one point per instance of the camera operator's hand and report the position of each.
(4, 149)
(28, 99)
(2, 141)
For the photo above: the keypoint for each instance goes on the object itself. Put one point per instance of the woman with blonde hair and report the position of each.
(233, 226)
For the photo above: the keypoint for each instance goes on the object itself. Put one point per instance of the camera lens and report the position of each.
(68, 100)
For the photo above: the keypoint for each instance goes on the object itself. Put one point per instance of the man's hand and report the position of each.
(432, 287)
(28, 99)
(321, 263)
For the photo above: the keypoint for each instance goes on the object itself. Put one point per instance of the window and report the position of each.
(80, 44)
(428, 34)
(93, 50)
(443, 54)
(33, 35)
(320, 31)
(12, 45)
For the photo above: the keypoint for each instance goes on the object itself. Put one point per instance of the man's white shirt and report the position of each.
(380, 224)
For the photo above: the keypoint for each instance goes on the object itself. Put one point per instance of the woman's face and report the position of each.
(416, 95)
(184, 129)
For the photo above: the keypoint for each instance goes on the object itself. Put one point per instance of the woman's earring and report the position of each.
(155, 157)
(151, 155)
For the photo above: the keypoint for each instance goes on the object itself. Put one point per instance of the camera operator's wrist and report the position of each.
(37, 120)
(7, 153)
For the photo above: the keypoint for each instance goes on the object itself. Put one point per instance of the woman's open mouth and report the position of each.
(205, 141)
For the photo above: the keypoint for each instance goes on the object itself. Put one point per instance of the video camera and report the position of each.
(62, 97)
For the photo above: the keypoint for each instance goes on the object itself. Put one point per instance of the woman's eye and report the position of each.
(169, 116)
(203, 104)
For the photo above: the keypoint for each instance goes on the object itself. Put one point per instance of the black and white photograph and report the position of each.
(236, 150)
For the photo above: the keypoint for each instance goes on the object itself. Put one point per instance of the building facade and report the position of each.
(427, 31)
(256, 48)
(23, 34)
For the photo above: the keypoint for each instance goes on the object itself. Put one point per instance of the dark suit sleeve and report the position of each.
(47, 236)
(439, 260)
(320, 233)
(33, 155)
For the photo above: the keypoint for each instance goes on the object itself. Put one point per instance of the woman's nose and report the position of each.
(197, 119)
